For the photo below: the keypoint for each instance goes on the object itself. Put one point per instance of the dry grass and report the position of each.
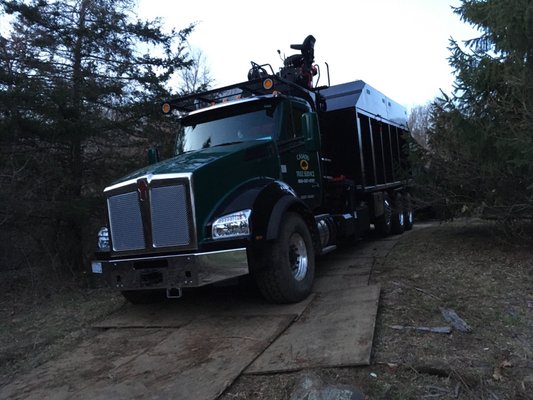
(34, 330)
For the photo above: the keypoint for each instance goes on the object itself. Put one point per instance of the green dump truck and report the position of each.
(267, 175)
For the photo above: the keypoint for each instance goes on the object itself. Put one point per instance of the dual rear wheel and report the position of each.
(397, 214)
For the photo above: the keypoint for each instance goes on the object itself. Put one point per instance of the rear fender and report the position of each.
(377, 203)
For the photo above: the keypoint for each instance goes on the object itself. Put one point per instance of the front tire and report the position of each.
(289, 268)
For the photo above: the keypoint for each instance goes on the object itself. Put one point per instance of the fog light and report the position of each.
(103, 239)
(232, 225)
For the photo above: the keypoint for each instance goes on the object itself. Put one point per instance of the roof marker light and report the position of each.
(268, 83)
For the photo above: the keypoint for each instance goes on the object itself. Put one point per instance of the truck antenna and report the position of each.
(282, 58)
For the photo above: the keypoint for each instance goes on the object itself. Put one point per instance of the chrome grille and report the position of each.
(170, 216)
(152, 213)
(126, 222)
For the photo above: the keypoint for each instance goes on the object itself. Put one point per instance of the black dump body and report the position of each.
(364, 136)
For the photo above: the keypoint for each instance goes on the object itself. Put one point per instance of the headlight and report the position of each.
(235, 224)
(103, 239)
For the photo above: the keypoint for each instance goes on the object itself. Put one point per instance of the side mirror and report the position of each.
(153, 155)
(311, 132)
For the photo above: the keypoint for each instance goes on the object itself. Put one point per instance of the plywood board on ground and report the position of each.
(336, 330)
(344, 265)
(378, 248)
(175, 313)
(198, 361)
(327, 283)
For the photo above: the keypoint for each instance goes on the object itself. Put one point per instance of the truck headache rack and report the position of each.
(266, 85)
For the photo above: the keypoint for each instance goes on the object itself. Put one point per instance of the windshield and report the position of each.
(232, 124)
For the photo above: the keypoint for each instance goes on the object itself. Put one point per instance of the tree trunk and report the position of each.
(74, 219)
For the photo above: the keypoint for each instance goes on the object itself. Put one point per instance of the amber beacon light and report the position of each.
(268, 83)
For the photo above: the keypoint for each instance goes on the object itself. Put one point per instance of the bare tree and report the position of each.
(420, 122)
(196, 77)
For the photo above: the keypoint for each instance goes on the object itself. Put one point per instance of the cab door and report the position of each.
(300, 168)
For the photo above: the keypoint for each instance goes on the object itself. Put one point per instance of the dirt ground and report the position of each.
(464, 266)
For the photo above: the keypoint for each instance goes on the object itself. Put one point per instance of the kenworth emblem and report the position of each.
(142, 190)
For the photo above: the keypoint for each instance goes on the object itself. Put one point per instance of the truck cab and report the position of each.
(207, 213)
(273, 118)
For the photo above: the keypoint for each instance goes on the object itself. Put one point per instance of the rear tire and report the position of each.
(289, 266)
(383, 223)
(145, 296)
(398, 220)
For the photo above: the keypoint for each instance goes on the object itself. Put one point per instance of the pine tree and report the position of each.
(77, 77)
(481, 136)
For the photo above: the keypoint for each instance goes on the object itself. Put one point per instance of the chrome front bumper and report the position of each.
(175, 271)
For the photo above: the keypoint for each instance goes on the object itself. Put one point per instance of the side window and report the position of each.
(293, 123)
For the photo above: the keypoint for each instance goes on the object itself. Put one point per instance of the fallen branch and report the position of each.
(456, 321)
(427, 293)
(434, 329)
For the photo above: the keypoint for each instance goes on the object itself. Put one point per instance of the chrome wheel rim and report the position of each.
(298, 257)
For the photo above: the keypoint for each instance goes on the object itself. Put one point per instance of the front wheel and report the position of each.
(289, 268)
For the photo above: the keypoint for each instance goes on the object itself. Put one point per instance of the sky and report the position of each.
(400, 47)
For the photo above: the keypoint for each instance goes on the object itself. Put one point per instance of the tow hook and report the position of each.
(173, 293)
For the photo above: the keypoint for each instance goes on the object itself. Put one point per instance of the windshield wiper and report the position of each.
(228, 143)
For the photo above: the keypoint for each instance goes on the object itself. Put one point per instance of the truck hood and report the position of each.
(194, 160)
(217, 174)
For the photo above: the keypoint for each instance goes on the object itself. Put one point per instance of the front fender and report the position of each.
(270, 207)
(269, 200)
(243, 197)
